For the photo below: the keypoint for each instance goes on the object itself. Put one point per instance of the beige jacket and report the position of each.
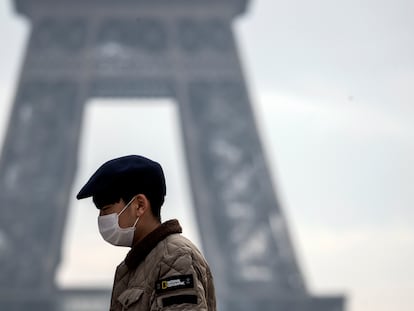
(165, 271)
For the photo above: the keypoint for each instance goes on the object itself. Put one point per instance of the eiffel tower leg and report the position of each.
(37, 167)
(242, 229)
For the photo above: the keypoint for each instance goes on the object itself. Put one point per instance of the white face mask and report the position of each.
(112, 232)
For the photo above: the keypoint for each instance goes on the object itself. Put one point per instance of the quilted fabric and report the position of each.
(173, 256)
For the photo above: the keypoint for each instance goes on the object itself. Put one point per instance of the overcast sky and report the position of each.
(332, 87)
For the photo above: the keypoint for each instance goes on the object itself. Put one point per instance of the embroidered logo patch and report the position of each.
(174, 282)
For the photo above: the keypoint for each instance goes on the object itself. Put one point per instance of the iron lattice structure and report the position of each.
(182, 49)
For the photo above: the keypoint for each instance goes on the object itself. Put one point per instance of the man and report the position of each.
(163, 270)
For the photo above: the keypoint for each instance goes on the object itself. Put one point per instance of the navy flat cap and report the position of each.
(144, 173)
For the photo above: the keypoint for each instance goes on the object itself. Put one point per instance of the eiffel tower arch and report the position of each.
(182, 49)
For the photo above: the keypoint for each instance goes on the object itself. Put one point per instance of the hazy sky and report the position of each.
(332, 87)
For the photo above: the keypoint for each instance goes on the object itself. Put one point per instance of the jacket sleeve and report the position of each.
(181, 284)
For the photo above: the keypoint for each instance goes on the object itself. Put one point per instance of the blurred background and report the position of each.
(332, 88)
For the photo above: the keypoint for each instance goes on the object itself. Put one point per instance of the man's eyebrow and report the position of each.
(106, 207)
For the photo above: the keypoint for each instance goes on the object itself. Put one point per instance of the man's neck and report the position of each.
(146, 227)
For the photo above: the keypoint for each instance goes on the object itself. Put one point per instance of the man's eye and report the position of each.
(106, 208)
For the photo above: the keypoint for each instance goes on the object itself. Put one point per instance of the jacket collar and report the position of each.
(140, 250)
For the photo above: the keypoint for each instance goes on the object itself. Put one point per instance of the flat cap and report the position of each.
(145, 174)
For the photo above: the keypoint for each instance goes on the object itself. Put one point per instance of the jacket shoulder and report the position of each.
(178, 245)
(179, 254)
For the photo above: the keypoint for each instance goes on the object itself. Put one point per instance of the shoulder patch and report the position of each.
(174, 282)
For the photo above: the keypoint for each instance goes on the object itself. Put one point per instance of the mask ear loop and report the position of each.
(135, 223)
(126, 206)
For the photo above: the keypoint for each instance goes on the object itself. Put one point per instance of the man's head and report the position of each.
(124, 178)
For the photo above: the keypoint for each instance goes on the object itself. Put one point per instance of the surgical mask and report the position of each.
(112, 232)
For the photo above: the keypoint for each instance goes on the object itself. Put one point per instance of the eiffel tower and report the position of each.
(181, 49)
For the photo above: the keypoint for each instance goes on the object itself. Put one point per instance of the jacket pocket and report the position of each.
(129, 297)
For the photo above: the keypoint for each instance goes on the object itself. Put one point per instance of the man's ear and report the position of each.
(142, 204)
